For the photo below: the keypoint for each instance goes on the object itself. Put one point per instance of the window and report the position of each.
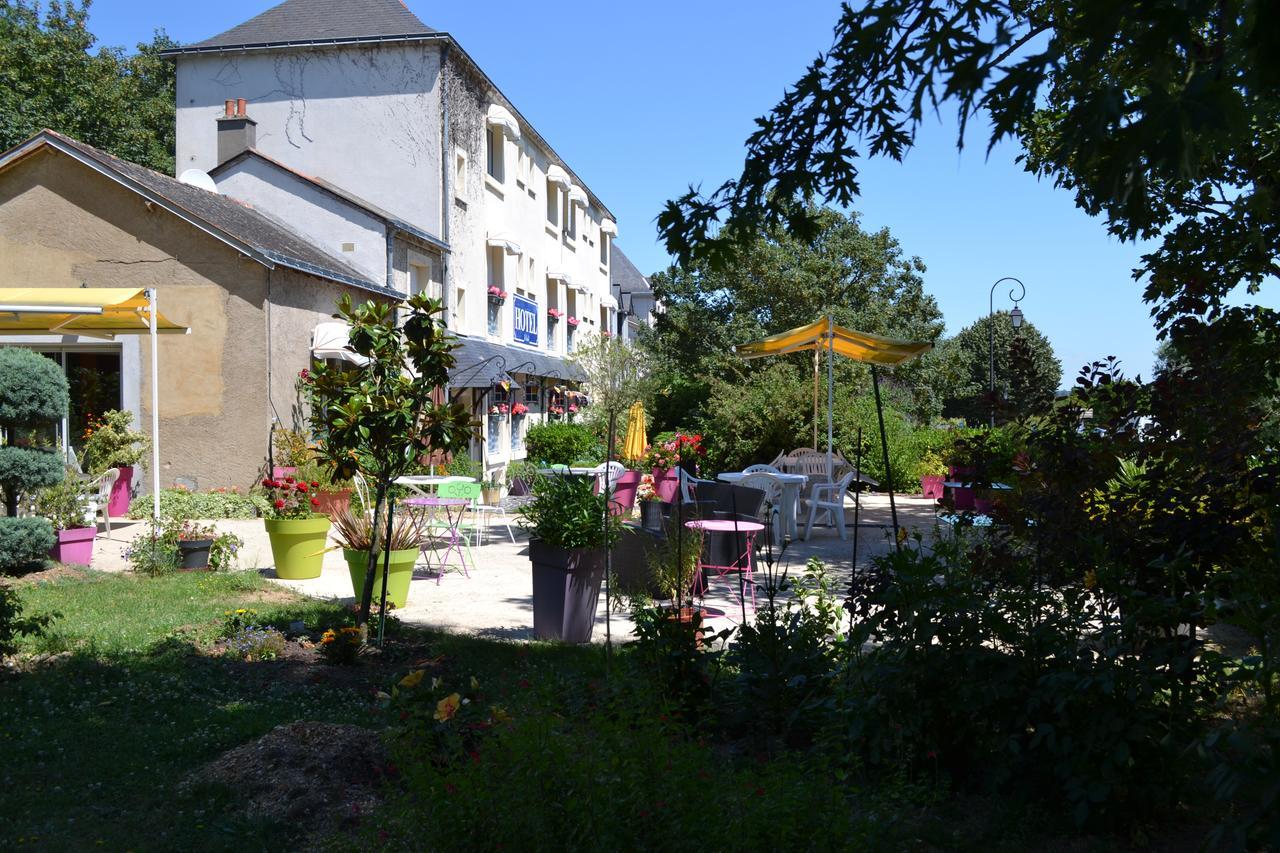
(570, 218)
(604, 249)
(495, 143)
(460, 309)
(517, 434)
(553, 205)
(495, 433)
(531, 394)
(522, 165)
(459, 172)
(422, 281)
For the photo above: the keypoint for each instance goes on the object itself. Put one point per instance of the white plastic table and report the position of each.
(791, 486)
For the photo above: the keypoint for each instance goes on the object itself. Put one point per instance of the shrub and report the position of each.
(24, 541)
(33, 397)
(64, 504)
(256, 643)
(854, 412)
(13, 624)
(111, 442)
(565, 513)
(181, 504)
(152, 556)
(561, 443)
(754, 421)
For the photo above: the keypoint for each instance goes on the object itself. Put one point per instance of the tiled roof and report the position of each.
(624, 274)
(302, 21)
(225, 217)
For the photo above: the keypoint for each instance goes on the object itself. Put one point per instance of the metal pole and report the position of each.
(857, 501)
(831, 354)
(991, 337)
(817, 354)
(155, 407)
(884, 447)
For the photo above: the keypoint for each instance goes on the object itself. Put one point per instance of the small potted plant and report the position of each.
(194, 542)
(554, 315)
(571, 533)
(497, 295)
(650, 504)
(491, 490)
(111, 442)
(65, 505)
(932, 471)
(354, 532)
(292, 452)
(296, 530)
(519, 410)
(573, 321)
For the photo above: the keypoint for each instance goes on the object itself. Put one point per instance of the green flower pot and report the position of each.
(397, 581)
(298, 545)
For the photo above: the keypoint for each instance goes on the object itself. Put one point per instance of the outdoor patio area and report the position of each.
(496, 600)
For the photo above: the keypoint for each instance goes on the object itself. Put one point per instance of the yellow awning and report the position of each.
(859, 346)
(99, 312)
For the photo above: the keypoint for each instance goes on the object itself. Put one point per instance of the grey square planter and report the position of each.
(566, 591)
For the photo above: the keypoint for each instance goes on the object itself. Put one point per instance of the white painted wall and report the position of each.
(366, 118)
(325, 220)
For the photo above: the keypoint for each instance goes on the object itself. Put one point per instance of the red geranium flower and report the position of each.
(302, 487)
(279, 503)
(289, 480)
(315, 484)
(315, 502)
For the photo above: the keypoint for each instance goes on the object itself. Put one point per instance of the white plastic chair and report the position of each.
(689, 485)
(100, 502)
(608, 474)
(829, 498)
(772, 489)
(761, 468)
(482, 513)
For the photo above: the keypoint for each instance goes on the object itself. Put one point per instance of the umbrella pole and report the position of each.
(155, 408)
(831, 357)
(816, 355)
(884, 447)
(857, 501)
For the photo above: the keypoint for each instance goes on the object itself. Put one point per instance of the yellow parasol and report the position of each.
(637, 441)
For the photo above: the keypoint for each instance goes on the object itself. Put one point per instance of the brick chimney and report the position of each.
(236, 131)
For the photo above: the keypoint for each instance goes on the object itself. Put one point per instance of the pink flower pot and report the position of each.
(666, 481)
(624, 493)
(279, 472)
(983, 506)
(74, 546)
(931, 487)
(118, 503)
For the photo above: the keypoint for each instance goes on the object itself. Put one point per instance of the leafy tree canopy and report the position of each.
(863, 280)
(1027, 373)
(51, 77)
(1163, 117)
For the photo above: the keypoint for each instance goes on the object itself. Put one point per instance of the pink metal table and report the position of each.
(743, 565)
(456, 542)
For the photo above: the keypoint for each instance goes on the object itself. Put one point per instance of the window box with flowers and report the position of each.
(497, 295)
(296, 530)
(554, 315)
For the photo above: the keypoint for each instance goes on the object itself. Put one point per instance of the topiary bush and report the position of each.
(181, 505)
(562, 443)
(33, 398)
(24, 541)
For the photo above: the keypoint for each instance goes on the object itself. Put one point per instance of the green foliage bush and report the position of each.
(14, 625)
(561, 443)
(181, 504)
(111, 442)
(24, 541)
(565, 513)
(854, 412)
(748, 422)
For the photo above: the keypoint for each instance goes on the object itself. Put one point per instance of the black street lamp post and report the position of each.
(1015, 317)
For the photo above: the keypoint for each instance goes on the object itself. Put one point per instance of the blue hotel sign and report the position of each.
(526, 320)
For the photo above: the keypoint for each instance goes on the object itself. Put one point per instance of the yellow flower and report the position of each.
(413, 679)
(447, 707)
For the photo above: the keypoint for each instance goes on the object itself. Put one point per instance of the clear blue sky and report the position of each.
(643, 99)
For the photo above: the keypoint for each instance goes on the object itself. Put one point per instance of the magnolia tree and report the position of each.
(381, 419)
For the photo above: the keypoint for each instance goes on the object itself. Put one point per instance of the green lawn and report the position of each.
(123, 705)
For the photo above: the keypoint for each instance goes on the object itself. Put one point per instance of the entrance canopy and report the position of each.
(826, 335)
(98, 312)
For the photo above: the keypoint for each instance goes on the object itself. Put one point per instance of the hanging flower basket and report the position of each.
(519, 410)
(499, 409)
(497, 295)
(554, 315)
(573, 321)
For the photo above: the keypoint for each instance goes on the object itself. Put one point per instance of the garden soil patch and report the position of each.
(322, 775)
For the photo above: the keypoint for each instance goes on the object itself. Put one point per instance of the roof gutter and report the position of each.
(274, 45)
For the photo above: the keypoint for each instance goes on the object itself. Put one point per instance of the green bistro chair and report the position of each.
(458, 531)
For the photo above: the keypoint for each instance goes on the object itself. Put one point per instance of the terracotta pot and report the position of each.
(118, 503)
(333, 502)
(74, 546)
